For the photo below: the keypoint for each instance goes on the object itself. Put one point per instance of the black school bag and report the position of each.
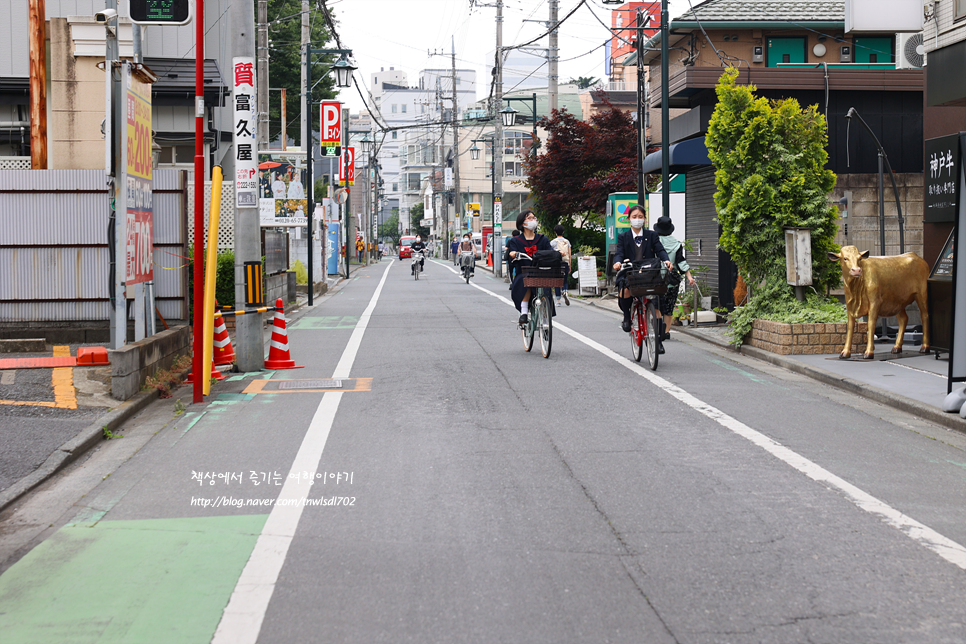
(547, 259)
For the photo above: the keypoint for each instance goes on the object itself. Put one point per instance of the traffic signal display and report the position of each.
(161, 12)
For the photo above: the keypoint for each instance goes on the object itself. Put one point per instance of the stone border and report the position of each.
(804, 339)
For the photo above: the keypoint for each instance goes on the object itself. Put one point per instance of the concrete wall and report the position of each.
(132, 364)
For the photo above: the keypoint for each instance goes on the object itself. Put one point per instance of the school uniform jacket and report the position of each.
(651, 246)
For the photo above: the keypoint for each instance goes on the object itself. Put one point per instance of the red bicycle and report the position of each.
(647, 323)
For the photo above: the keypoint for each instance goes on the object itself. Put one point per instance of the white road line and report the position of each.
(242, 618)
(945, 547)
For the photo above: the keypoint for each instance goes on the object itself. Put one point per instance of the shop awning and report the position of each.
(683, 155)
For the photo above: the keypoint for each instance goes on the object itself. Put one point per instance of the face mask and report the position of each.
(637, 224)
(418, 239)
(531, 225)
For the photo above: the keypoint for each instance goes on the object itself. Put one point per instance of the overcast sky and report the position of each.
(398, 33)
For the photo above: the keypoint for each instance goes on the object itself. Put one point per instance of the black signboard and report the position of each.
(943, 268)
(941, 179)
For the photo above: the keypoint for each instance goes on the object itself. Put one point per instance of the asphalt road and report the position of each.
(472, 492)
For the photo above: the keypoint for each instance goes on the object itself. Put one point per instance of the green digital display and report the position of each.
(161, 12)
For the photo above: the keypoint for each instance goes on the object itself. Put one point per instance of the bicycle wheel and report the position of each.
(544, 324)
(637, 332)
(466, 273)
(651, 338)
(529, 327)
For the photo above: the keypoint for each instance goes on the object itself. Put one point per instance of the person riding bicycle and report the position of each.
(635, 245)
(467, 253)
(664, 227)
(418, 247)
(527, 243)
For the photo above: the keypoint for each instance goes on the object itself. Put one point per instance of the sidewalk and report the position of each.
(913, 382)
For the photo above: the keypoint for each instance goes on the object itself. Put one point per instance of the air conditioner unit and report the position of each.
(910, 51)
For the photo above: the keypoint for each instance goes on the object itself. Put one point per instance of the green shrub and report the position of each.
(301, 274)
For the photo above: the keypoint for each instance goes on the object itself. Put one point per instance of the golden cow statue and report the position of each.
(882, 286)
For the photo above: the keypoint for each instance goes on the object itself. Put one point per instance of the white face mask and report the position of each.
(418, 240)
(637, 224)
(531, 225)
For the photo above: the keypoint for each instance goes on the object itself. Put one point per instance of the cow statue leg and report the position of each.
(870, 335)
(924, 314)
(849, 328)
(903, 318)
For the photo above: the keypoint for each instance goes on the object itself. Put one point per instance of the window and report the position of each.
(395, 187)
(960, 8)
(393, 108)
(404, 106)
(394, 134)
(177, 155)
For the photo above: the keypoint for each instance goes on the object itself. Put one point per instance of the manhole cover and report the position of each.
(310, 384)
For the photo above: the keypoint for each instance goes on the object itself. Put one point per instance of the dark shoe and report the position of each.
(626, 326)
(566, 299)
(666, 336)
(524, 319)
(660, 349)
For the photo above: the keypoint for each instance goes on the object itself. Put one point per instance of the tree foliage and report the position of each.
(389, 229)
(769, 159)
(582, 163)
(415, 214)
(285, 65)
(583, 82)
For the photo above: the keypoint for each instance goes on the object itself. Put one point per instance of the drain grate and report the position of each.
(310, 384)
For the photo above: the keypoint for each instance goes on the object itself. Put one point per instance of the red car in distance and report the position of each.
(405, 243)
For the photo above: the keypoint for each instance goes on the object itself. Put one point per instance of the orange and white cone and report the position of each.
(222, 351)
(217, 375)
(278, 355)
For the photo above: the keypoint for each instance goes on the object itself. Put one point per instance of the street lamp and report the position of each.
(343, 71)
(366, 144)
(475, 152)
(533, 107)
(509, 116)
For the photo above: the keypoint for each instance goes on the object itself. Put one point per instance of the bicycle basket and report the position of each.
(543, 277)
(647, 281)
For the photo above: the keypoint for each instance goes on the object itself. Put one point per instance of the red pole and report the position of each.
(199, 240)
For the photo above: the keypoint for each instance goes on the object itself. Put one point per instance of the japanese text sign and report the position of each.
(347, 168)
(243, 132)
(331, 122)
(941, 179)
(138, 176)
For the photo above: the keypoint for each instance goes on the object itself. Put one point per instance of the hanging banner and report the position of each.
(331, 121)
(347, 167)
(138, 176)
(243, 132)
(282, 200)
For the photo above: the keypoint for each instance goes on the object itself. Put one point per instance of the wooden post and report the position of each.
(38, 85)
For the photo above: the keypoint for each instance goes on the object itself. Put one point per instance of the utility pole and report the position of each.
(641, 111)
(457, 219)
(261, 77)
(498, 148)
(38, 85)
(552, 56)
(250, 346)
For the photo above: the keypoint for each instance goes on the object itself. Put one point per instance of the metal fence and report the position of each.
(54, 255)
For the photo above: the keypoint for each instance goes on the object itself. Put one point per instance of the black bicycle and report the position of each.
(541, 282)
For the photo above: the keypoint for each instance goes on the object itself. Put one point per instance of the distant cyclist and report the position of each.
(418, 247)
(468, 253)
(635, 245)
(527, 243)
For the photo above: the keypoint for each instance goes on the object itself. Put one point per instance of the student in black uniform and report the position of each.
(526, 243)
(636, 244)
(418, 246)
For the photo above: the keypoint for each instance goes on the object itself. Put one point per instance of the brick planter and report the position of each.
(804, 339)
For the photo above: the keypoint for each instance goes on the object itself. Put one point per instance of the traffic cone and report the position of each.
(222, 351)
(278, 354)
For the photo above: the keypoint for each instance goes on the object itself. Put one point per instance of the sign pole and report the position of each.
(199, 232)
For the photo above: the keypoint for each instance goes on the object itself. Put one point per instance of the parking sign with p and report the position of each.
(331, 122)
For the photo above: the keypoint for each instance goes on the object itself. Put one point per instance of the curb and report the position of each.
(871, 392)
(77, 446)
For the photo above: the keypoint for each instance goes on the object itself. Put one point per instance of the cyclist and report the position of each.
(528, 242)
(468, 253)
(635, 245)
(664, 227)
(418, 247)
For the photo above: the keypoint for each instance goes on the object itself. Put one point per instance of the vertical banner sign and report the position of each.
(347, 168)
(331, 122)
(243, 132)
(957, 343)
(497, 215)
(137, 162)
(941, 179)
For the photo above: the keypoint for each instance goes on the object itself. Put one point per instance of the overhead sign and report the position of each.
(282, 200)
(160, 12)
(138, 176)
(243, 132)
(331, 121)
(347, 167)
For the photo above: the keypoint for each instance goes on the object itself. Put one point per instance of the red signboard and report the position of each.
(347, 167)
(139, 263)
(331, 124)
